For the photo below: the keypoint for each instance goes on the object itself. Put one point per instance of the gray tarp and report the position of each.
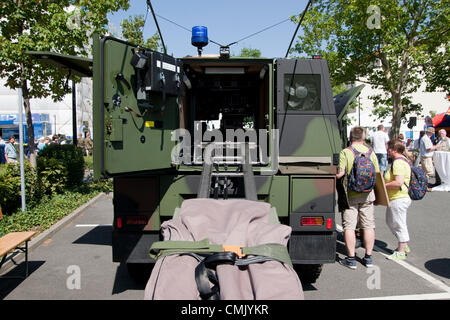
(224, 222)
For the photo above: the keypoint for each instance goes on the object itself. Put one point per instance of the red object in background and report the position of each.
(438, 119)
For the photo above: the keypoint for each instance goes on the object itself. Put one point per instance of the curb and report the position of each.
(46, 234)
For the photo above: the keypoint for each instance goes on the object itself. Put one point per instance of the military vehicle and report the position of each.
(155, 115)
(142, 96)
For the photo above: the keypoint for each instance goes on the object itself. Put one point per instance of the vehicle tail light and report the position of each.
(311, 221)
(119, 223)
(329, 223)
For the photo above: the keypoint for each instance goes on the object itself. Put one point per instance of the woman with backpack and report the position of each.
(397, 183)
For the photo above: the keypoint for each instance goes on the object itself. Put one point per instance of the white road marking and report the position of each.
(438, 284)
(92, 225)
(425, 296)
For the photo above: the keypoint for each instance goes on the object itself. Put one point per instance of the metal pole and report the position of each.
(21, 158)
(359, 111)
(74, 114)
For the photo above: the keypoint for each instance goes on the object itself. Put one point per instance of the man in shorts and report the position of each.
(426, 152)
(361, 204)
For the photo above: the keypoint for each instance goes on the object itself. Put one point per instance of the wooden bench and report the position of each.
(12, 241)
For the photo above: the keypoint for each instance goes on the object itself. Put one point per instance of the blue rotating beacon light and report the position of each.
(199, 38)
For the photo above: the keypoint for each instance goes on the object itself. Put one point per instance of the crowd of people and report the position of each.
(9, 149)
(394, 160)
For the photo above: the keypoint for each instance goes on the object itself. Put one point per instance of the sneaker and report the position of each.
(349, 263)
(407, 250)
(367, 261)
(397, 256)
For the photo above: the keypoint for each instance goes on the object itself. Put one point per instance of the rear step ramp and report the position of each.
(244, 169)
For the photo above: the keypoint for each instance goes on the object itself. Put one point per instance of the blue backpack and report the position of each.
(418, 182)
(362, 176)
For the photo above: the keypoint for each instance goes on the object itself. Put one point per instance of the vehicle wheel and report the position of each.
(140, 272)
(308, 273)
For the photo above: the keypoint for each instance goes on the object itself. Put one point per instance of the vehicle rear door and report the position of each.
(136, 95)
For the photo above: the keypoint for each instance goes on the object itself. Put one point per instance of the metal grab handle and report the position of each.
(120, 77)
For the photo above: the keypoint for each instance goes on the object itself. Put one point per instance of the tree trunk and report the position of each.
(396, 115)
(29, 119)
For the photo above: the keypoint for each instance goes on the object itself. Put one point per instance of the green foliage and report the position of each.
(409, 42)
(10, 186)
(132, 31)
(47, 25)
(52, 175)
(67, 160)
(249, 52)
(47, 212)
(88, 163)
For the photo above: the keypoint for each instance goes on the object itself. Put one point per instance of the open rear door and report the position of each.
(343, 100)
(136, 94)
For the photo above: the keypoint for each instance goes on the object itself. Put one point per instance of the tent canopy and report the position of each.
(442, 119)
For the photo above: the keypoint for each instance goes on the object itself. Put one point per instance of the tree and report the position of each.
(132, 31)
(408, 39)
(249, 52)
(46, 25)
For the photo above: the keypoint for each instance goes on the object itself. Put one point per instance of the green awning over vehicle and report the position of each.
(79, 66)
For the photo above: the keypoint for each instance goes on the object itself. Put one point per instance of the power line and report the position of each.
(249, 36)
(258, 32)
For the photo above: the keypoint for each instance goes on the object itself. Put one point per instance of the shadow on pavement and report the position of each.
(8, 285)
(131, 277)
(100, 235)
(440, 267)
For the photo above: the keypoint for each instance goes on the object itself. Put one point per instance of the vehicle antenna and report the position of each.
(149, 4)
(298, 26)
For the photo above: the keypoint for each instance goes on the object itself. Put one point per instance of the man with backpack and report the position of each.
(398, 180)
(359, 163)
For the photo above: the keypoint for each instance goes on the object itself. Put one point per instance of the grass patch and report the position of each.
(51, 209)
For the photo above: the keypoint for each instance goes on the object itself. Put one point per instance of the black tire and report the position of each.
(308, 273)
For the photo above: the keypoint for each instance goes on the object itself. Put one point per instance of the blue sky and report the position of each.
(227, 21)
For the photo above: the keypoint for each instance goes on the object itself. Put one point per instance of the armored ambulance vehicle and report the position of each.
(167, 129)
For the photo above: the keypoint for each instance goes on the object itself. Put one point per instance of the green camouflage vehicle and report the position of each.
(155, 115)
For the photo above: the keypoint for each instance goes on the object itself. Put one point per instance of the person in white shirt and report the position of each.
(379, 142)
(444, 141)
(426, 152)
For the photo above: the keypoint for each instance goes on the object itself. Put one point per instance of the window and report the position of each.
(302, 92)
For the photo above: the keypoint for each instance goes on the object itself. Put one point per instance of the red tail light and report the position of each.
(119, 223)
(311, 221)
(329, 223)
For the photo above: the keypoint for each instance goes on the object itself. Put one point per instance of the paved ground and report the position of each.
(83, 248)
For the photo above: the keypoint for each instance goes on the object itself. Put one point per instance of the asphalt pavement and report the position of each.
(75, 263)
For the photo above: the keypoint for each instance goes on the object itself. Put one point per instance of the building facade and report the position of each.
(49, 117)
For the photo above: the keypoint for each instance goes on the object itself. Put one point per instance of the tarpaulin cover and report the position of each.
(224, 222)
